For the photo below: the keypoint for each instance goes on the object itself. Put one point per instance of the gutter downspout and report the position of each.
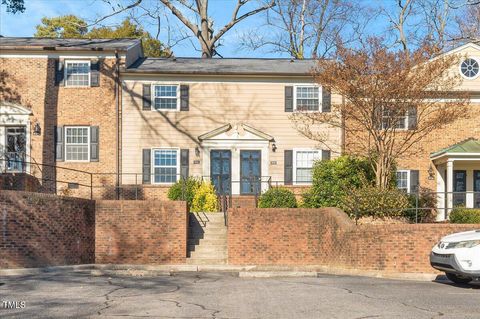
(117, 111)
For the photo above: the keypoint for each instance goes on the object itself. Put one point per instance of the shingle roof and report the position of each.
(228, 66)
(14, 43)
(470, 145)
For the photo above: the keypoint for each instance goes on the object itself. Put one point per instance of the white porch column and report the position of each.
(442, 212)
(449, 186)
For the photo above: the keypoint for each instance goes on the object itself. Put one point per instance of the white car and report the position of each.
(458, 255)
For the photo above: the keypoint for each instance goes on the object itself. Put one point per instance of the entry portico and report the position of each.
(458, 176)
(236, 158)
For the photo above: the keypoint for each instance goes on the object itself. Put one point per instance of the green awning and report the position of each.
(470, 145)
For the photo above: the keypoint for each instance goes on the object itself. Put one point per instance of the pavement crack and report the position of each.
(108, 301)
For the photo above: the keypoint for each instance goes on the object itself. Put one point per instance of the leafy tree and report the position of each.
(71, 26)
(382, 90)
(68, 26)
(14, 6)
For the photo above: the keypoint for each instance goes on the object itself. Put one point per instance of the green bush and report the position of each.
(426, 204)
(371, 201)
(205, 199)
(332, 180)
(465, 216)
(184, 190)
(277, 197)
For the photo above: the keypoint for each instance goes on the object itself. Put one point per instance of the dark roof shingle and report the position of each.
(227, 66)
(15, 43)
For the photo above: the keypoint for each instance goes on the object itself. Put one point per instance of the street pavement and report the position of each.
(137, 294)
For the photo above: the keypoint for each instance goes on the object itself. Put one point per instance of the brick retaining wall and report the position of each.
(328, 237)
(141, 232)
(40, 230)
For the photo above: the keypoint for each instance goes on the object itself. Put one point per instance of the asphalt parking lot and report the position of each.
(225, 295)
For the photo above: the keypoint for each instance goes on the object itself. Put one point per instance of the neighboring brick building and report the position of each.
(448, 154)
(59, 108)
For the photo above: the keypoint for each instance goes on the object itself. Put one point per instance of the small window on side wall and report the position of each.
(77, 73)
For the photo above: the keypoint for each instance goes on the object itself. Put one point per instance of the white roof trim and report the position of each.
(453, 155)
(8, 108)
(237, 132)
(457, 49)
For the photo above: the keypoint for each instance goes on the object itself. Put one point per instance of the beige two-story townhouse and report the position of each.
(224, 120)
(59, 112)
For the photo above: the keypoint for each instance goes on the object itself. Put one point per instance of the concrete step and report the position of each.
(208, 218)
(206, 242)
(208, 248)
(207, 231)
(206, 261)
(208, 226)
(208, 236)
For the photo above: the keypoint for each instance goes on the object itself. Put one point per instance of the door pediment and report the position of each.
(235, 132)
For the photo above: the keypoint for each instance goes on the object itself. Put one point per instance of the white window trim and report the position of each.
(65, 142)
(319, 97)
(460, 67)
(407, 124)
(154, 97)
(294, 163)
(66, 62)
(408, 178)
(152, 160)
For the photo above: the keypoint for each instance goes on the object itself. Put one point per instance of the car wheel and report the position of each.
(458, 279)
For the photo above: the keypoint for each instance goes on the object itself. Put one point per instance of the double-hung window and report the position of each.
(403, 180)
(307, 98)
(165, 165)
(77, 143)
(303, 161)
(77, 73)
(166, 97)
(394, 119)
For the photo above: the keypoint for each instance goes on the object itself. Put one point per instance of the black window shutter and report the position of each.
(412, 118)
(95, 73)
(146, 166)
(147, 97)
(289, 99)
(184, 97)
(59, 73)
(184, 160)
(288, 167)
(414, 181)
(59, 145)
(326, 100)
(94, 142)
(326, 154)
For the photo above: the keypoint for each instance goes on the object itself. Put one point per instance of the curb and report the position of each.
(248, 271)
(273, 274)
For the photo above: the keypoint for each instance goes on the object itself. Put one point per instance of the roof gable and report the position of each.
(236, 132)
(470, 145)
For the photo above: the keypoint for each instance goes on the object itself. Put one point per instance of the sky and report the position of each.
(23, 24)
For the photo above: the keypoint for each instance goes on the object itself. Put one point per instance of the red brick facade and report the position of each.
(30, 82)
(328, 237)
(40, 230)
(141, 232)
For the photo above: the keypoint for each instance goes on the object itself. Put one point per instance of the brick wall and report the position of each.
(141, 232)
(45, 230)
(328, 237)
